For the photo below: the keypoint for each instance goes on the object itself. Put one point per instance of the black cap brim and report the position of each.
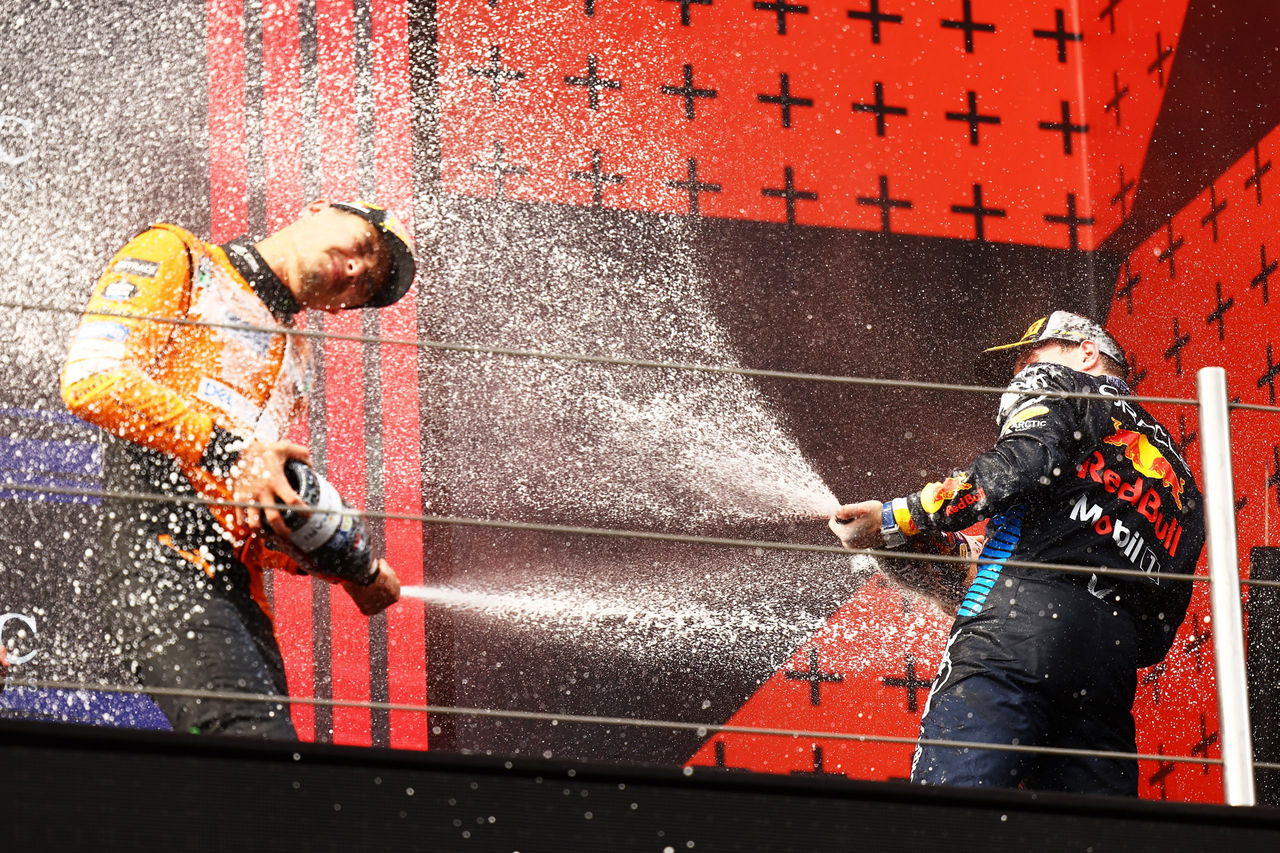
(995, 366)
(399, 277)
(402, 268)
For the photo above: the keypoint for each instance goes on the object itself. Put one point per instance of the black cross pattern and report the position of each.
(781, 8)
(1201, 634)
(979, 212)
(819, 760)
(1185, 438)
(1273, 479)
(593, 82)
(496, 73)
(1264, 275)
(1152, 677)
(1207, 739)
(968, 25)
(1162, 56)
(1059, 33)
(1168, 253)
(1120, 94)
(785, 99)
(598, 178)
(819, 765)
(1122, 194)
(1162, 774)
(1220, 311)
(1180, 340)
(815, 676)
(1259, 169)
(790, 193)
(1269, 378)
(1125, 291)
(693, 186)
(973, 117)
(1137, 374)
(1071, 219)
(500, 169)
(1244, 501)
(879, 108)
(885, 202)
(875, 17)
(684, 9)
(721, 762)
(1065, 126)
(1215, 210)
(1109, 12)
(910, 681)
(689, 92)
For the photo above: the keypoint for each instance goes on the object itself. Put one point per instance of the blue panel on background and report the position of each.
(50, 457)
(66, 464)
(118, 710)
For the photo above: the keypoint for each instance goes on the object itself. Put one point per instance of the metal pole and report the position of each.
(1224, 588)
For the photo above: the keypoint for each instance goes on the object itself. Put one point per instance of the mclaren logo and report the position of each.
(23, 619)
(17, 141)
(17, 146)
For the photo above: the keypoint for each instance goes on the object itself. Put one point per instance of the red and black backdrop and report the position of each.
(866, 187)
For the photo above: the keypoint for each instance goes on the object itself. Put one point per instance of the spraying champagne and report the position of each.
(331, 541)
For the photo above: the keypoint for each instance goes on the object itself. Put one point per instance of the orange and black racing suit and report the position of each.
(1047, 657)
(179, 400)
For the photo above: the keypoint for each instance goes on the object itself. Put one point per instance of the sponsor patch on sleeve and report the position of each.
(136, 266)
(1025, 418)
(121, 290)
(102, 331)
(96, 348)
(82, 369)
(102, 343)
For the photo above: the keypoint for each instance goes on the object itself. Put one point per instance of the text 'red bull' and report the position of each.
(1143, 497)
(966, 500)
(934, 495)
(1146, 459)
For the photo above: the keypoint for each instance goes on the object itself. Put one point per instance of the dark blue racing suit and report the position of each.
(1040, 657)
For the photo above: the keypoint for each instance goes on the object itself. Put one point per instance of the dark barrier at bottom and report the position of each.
(75, 788)
(1264, 669)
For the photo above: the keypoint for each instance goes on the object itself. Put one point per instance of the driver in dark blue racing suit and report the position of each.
(1041, 657)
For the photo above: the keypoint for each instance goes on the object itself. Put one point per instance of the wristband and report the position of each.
(889, 530)
(902, 516)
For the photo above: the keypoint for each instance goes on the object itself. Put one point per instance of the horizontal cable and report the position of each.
(1253, 407)
(691, 539)
(600, 359)
(702, 729)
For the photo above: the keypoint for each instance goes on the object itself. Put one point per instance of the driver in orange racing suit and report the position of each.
(182, 357)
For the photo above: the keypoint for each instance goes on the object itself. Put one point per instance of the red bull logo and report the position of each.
(1146, 459)
(966, 500)
(934, 495)
(1141, 494)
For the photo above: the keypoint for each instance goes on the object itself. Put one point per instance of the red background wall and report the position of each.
(291, 103)
(489, 85)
